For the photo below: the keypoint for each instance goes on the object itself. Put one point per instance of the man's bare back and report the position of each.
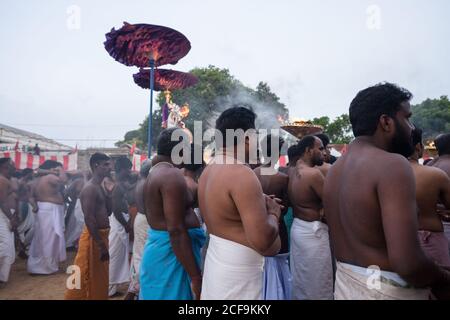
(443, 163)
(432, 187)
(154, 202)
(49, 188)
(303, 195)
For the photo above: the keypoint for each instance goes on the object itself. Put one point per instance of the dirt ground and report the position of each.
(23, 286)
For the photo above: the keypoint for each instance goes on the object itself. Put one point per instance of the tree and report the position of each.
(215, 91)
(432, 116)
(339, 130)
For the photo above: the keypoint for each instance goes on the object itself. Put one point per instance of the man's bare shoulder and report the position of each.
(90, 190)
(4, 181)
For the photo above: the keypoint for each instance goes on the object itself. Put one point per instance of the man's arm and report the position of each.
(317, 182)
(260, 225)
(89, 200)
(119, 206)
(4, 194)
(396, 193)
(174, 196)
(444, 180)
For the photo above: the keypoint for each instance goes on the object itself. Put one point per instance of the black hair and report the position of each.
(26, 171)
(122, 163)
(292, 152)
(50, 164)
(192, 166)
(325, 139)
(4, 161)
(237, 117)
(417, 136)
(371, 103)
(165, 144)
(145, 168)
(442, 144)
(305, 143)
(96, 158)
(266, 144)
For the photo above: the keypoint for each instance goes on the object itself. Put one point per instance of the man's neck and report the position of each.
(375, 141)
(413, 160)
(97, 179)
(160, 158)
(305, 162)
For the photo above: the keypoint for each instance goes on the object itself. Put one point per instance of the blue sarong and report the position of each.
(277, 281)
(162, 276)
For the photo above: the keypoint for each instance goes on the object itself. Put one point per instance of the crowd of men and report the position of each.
(372, 224)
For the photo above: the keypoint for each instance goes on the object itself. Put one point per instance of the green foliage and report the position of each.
(339, 130)
(432, 116)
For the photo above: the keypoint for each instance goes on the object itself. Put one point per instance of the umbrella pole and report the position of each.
(150, 117)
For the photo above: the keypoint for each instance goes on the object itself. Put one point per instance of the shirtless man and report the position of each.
(311, 264)
(370, 205)
(93, 256)
(140, 231)
(327, 158)
(48, 247)
(432, 187)
(120, 222)
(442, 144)
(276, 269)
(8, 221)
(241, 220)
(170, 264)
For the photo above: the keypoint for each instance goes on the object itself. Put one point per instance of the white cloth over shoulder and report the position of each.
(75, 225)
(357, 283)
(7, 249)
(48, 247)
(232, 271)
(119, 250)
(311, 264)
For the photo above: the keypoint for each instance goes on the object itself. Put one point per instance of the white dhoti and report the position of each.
(74, 226)
(232, 271)
(48, 247)
(7, 249)
(119, 250)
(357, 283)
(26, 227)
(277, 283)
(311, 265)
(140, 227)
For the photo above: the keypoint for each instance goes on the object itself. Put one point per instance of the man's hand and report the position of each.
(196, 286)
(104, 253)
(273, 206)
(14, 223)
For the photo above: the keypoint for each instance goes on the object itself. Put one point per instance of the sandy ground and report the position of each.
(22, 286)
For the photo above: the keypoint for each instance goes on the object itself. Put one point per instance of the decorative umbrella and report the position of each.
(134, 45)
(301, 128)
(165, 79)
(146, 45)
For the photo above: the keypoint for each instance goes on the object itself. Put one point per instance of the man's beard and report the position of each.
(318, 161)
(402, 144)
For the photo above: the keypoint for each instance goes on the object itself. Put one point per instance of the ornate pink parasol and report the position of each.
(165, 79)
(135, 44)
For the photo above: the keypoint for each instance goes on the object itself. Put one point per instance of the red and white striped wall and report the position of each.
(24, 160)
(137, 161)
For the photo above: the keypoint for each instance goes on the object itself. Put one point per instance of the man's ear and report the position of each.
(386, 123)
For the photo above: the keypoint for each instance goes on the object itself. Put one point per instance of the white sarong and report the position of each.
(311, 265)
(7, 249)
(357, 283)
(119, 250)
(48, 247)
(232, 271)
(140, 237)
(74, 226)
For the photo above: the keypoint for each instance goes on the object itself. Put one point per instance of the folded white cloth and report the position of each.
(48, 247)
(311, 265)
(232, 271)
(357, 283)
(140, 228)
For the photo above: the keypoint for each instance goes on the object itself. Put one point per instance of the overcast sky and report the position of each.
(56, 78)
